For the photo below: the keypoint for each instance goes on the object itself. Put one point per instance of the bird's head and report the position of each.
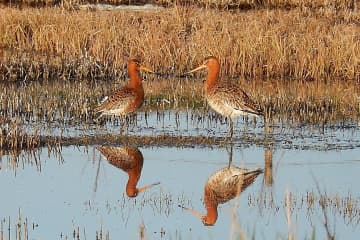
(135, 64)
(210, 62)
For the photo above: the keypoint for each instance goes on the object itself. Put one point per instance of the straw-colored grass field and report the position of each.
(304, 43)
(220, 4)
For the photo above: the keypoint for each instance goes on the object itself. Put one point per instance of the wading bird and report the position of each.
(226, 99)
(128, 98)
(130, 160)
(222, 186)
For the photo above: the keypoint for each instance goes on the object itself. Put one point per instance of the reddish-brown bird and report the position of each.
(225, 98)
(130, 160)
(128, 98)
(222, 186)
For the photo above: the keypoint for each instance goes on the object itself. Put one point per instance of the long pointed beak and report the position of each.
(196, 213)
(146, 69)
(147, 186)
(197, 69)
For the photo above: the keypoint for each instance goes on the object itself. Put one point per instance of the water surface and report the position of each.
(82, 189)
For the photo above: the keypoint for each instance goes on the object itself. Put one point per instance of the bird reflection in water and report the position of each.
(130, 160)
(222, 186)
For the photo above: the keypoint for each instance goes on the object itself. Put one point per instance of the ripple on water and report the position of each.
(81, 188)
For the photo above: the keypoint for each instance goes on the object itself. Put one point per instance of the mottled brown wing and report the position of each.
(227, 183)
(236, 98)
(117, 156)
(119, 100)
(249, 178)
(249, 104)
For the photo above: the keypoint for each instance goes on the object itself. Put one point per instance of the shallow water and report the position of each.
(82, 189)
(194, 123)
(73, 189)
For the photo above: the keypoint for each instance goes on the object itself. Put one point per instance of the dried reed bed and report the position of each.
(14, 136)
(67, 102)
(306, 43)
(60, 102)
(221, 4)
(298, 101)
(254, 4)
(307, 102)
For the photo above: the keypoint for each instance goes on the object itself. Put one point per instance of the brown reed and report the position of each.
(68, 102)
(220, 4)
(319, 44)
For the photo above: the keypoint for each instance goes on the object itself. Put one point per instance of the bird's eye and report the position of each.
(136, 61)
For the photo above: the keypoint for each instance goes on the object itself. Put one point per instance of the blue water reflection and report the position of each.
(83, 189)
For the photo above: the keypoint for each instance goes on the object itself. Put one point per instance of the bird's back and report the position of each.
(123, 101)
(124, 158)
(230, 100)
(229, 182)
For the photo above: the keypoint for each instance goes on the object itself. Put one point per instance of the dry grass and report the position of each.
(14, 136)
(308, 102)
(304, 43)
(66, 102)
(220, 4)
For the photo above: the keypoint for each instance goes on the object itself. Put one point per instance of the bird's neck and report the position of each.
(135, 79)
(134, 176)
(211, 208)
(212, 78)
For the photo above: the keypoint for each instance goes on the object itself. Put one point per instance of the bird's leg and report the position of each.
(230, 132)
(146, 119)
(122, 122)
(134, 121)
(128, 121)
(230, 153)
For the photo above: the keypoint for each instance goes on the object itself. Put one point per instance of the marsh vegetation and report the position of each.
(298, 60)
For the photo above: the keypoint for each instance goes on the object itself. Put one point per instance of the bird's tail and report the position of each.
(256, 172)
(250, 176)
